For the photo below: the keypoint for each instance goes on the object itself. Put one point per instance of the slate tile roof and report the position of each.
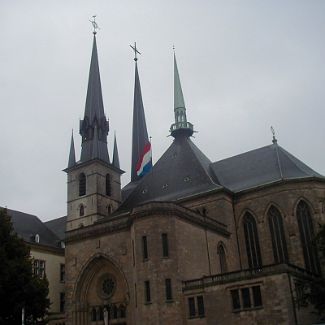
(27, 226)
(183, 170)
(260, 167)
(57, 226)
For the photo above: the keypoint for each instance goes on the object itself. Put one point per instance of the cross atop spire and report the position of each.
(181, 126)
(136, 52)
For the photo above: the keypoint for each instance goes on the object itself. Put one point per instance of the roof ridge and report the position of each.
(191, 143)
(243, 153)
(300, 164)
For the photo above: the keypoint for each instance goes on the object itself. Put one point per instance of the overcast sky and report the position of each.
(244, 66)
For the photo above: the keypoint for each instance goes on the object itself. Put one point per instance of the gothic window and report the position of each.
(144, 248)
(62, 302)
(82, 184)
(306, 231)
(165, 248)
(62, 272)
(196, 309)
(191, 307)
(108, 185)
(200, 306)
(251, 241)
(222, 258)
(279, 244)
(81, 210)
(147, 291)
(168, 287)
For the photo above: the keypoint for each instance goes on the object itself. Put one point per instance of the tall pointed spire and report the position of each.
(181, 126)
(141, 147)
(72, 155)
(116, 159)
(94, 114)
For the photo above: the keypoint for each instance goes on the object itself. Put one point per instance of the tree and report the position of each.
(19, 288)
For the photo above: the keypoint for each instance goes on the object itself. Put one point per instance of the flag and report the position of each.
(141, 147)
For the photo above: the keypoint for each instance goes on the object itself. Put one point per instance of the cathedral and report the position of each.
(188, 240)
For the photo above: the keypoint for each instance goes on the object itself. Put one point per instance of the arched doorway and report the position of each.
(101, 294)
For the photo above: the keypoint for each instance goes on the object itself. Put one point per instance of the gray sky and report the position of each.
(244, 66)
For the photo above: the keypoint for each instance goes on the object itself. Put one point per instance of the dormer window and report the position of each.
(37, 238)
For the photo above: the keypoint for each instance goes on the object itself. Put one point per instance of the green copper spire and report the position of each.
(181, 126)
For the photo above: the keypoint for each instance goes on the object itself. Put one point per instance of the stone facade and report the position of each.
(192, 241)
(195, 227)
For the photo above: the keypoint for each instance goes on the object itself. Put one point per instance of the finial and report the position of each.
(174, 48)
(274, 140)
(95, 25)
(134, 48)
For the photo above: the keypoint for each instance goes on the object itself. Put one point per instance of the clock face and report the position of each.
(108, 286)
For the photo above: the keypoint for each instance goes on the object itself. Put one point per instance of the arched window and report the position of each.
(307, 235)
(222, 258)
(108, 185)
(81, 210)
(279, 245)
(82, 184)
(252, 243)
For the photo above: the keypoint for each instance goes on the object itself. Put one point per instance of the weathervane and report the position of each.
(134, 48)
(95, 25)
(274, 140)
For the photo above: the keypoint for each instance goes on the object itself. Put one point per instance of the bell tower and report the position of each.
(94, 186)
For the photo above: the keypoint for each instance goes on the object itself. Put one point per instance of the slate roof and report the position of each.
(27, 226)
(183, 170)
(260, 167)
(57, 226)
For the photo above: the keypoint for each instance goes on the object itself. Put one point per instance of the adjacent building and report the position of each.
(47, 253)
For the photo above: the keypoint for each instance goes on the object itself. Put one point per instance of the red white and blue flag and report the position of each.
(141, 147)
(144, 165)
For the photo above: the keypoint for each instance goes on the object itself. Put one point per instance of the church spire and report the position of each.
(141, 147)
(116, 159)
(72, 155)
(94, 115)
(181, 126)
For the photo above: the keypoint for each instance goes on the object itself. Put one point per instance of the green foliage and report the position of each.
(18, 287)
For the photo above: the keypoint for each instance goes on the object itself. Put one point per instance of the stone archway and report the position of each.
(101, 294)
